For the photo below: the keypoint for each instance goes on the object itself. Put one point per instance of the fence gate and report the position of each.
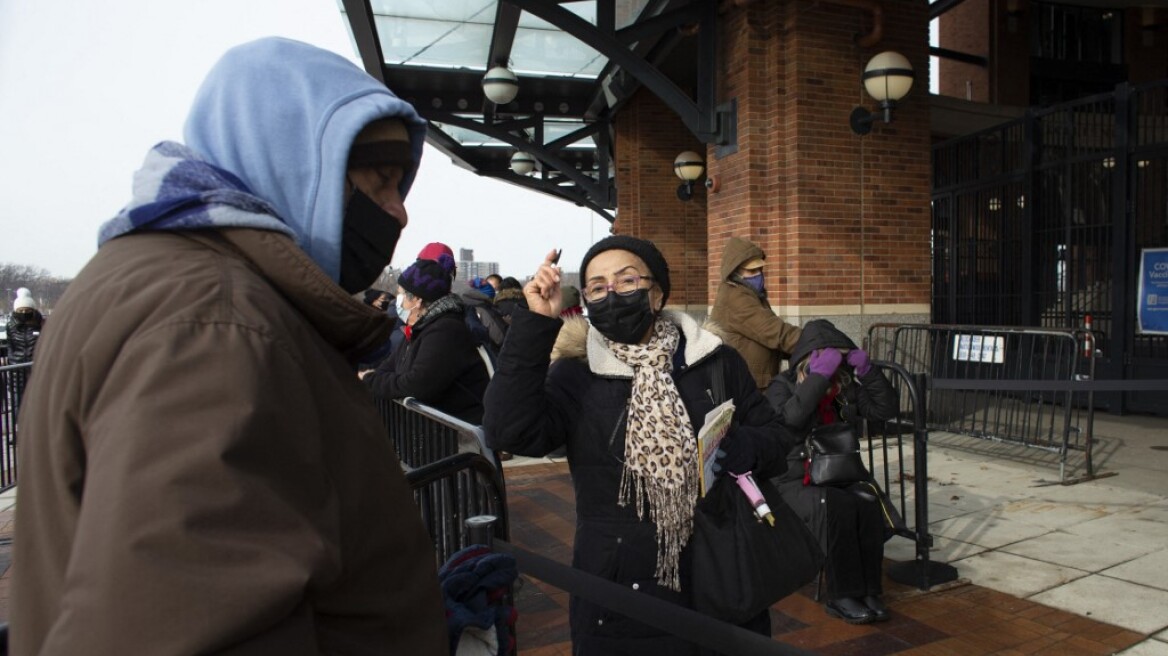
(1040, 222)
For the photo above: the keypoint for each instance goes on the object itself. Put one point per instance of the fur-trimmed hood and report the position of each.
(577, 340)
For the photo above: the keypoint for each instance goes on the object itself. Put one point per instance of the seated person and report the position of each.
(438, 364)
(834, 381)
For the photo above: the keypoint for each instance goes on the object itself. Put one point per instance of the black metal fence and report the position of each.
(423, 435)
(1057, 421)
(454, 475)
(12, 381)
(897, 454)
(1040, 221)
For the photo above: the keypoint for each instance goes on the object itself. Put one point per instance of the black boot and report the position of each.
(850, 610)
(876, 605)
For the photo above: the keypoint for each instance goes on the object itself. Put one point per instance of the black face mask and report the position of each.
(368, 238)
(623, 319)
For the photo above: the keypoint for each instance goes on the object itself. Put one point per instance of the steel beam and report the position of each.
(360, 15)
(700, 116)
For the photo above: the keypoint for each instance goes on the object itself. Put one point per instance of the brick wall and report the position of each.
(649, 136)
(844, 219)
(965, 28)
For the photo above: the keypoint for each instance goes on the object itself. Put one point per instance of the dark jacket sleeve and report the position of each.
(876, 398)
(439, 360)
(525, 412)
(754, 418)
(795, 403)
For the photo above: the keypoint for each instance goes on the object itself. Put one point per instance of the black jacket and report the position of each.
(872, 397)
(23, 332)
(507, 301)
(580, 401)
(438, 365)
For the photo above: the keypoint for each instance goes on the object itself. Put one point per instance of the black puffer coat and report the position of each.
(581, 401)
(438, 365)
(24, 328)
(872, 396)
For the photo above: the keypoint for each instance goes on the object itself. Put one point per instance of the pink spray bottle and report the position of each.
(754, 495)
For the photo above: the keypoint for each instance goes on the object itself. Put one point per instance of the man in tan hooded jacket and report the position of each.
(744, 316)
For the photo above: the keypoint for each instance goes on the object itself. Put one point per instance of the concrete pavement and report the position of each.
(1098, 549)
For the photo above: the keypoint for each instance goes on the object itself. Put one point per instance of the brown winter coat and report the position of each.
(747, 321)
(201, 471)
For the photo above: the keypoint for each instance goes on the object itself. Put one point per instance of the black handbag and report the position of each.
(741, 564)
(834, 452)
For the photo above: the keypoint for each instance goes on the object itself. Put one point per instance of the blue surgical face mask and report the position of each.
(402, 312)
(755, 282)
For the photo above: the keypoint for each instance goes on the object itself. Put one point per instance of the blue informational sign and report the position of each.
(1152, 306)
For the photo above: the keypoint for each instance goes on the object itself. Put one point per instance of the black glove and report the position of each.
(736, 454)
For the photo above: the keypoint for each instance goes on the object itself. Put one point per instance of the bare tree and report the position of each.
(45, 287)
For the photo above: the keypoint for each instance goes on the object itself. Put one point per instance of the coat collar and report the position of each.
(349, 325)
(699, 344)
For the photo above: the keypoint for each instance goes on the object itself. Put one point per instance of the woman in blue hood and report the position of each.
(202, 471)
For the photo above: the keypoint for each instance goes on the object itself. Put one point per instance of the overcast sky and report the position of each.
(86, 88)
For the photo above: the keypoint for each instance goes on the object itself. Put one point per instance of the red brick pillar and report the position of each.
(649, 136)
(844, 219)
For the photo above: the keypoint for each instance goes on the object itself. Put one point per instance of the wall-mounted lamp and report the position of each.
(522, 163)
(500, 85)
(689, 167)
(887, 78)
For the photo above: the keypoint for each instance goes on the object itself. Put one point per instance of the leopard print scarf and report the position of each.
(660, 448)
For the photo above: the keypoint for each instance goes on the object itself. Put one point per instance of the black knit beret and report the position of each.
(429, 280)
(642, 248)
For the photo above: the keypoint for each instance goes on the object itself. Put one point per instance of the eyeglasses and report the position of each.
(624, 285)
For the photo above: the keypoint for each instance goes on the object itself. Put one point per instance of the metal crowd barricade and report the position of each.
(451, 491)
(901, 469)
(452, 472)
(12, 381)
(422, 435)
(1058, 421)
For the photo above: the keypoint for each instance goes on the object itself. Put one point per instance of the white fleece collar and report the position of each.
(699, 344)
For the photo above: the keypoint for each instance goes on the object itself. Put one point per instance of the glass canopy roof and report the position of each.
(457, 34)
(434, 54)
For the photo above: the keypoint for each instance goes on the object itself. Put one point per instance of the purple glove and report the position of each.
(824, 362)
(858, 358)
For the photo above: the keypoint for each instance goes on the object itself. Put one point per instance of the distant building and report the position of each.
(469, 269)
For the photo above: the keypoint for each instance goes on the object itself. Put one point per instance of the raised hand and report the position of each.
(824, 361)
(859, 361)
(543, 290)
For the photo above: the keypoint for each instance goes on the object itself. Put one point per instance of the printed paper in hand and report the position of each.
(716, 426)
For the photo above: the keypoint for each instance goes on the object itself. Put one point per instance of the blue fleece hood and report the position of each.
(281, 116)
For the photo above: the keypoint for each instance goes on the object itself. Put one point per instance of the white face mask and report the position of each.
(402, 312)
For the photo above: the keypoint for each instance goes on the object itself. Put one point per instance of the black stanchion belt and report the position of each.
(673, 619)
(1150, 385)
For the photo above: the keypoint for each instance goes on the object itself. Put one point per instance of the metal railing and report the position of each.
(422, 435)
(979, 365)
(12, 381)
(901, 469)
(454, 475)
(465, 487)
